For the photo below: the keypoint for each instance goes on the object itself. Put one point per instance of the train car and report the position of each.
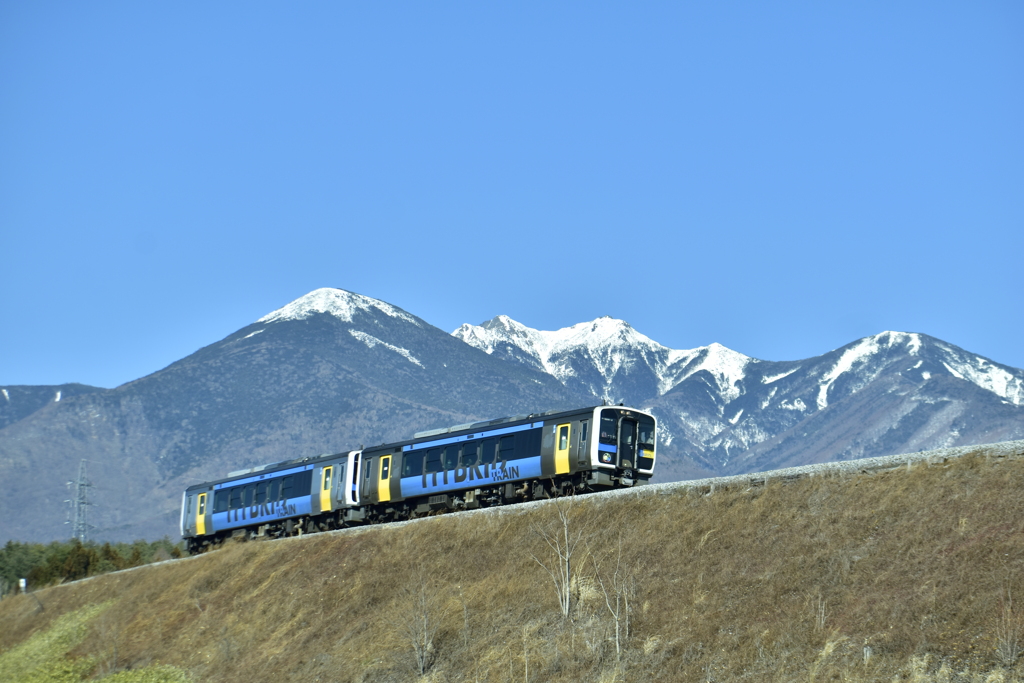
(283, 499)
(496, 462)
(508, 460)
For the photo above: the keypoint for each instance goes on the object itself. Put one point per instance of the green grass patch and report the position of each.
(45, 657)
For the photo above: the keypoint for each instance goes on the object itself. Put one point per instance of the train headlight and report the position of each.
(606, 457)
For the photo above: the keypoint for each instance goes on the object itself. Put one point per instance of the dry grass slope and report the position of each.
(912, 574)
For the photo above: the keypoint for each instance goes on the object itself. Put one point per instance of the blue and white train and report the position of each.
(513, 459)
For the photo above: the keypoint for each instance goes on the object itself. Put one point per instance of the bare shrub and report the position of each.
(425, 611)
(820, 613)
(1008, 630)
(563, 536)
(619, 589)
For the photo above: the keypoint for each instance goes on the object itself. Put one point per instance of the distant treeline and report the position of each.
(41, 564)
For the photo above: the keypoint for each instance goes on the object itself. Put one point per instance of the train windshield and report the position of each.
(610, 427)
(646, 431)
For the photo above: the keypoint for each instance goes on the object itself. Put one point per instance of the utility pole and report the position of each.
(78, 505)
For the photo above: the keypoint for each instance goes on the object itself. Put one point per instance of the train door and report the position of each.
(627, 443)
(186, 514)
(354, 486)
(369, 477)
(583, 453)
(563, 439)
(384, 483)
(325, 488)
(201, 515)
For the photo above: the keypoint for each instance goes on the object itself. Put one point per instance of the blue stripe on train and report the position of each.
(471, 477)
(262, 513)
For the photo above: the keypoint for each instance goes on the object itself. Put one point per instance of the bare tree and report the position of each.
(619, 590)
(562, 537)
(424, 615)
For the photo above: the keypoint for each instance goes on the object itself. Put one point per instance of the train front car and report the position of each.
(625, 449)
(508, 460)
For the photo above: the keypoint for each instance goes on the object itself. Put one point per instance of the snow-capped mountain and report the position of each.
(334, 369)
(723, 410)
(322, 374)
(606, 357)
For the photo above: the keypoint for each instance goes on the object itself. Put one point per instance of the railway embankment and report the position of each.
(900, 568)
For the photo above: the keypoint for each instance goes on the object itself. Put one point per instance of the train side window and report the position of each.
(469, 453)
(412, 465)
(385, 468)
(487, 449)
(507, 448)
(235, 498)
(202, 505)
(563, 438)
(433, 460)
(261, 493)
(366, 469)
(521, 445)
(451, 457)
(273, 490)
(247, 495)
(582, 452)
(220, 501)
(287, 487)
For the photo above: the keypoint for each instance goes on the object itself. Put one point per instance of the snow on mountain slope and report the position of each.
(858, 354)
(372, 341)
(727, 367)
(865, 359)
(715, 403)
(607, 356)
(999, 379)
(338, 303)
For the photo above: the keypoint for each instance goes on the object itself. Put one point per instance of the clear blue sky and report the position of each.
(782, 178)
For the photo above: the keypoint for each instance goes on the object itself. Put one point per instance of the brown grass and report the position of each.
(848, 577)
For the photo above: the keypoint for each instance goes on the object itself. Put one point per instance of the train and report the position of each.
(464, 467)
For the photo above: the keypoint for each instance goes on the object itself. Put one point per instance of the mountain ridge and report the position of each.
(721, 403)
(334, 370)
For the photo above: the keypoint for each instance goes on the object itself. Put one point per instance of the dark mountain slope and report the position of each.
(297, 383)
(18, 401)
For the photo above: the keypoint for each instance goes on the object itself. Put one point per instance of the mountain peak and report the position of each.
(337, 302)
(890, 338)
(601, 354)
